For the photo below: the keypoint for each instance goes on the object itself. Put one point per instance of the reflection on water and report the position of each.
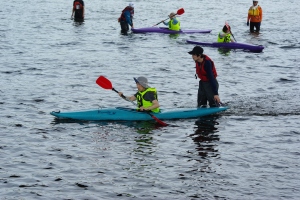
(122, 32)
(78, 22)
(174, 36)
(205, 136)
(224, 51)
(146, 127)
(142, 127)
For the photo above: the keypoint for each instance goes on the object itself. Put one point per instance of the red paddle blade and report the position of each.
(180, 11)
(104, 82)
(159, 121)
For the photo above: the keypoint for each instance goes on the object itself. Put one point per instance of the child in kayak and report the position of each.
(174, 23)
(225, 35)
(146, 96)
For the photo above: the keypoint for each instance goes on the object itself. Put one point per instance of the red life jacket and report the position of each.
(128, 8)
(77, 5)
(201, 71)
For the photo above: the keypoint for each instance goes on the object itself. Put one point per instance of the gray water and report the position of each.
(49, 62)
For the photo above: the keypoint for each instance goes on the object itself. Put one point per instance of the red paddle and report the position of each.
(106, 84)
(179, 12)
(228, 27)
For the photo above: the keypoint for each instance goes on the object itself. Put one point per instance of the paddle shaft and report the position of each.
(233, 36)
(227, 25)
(162, 21)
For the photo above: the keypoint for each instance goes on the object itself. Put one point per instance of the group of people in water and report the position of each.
(254, 19)
(146, 96)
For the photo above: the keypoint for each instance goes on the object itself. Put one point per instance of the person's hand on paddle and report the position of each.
(132, 98)
(121, 95)
(142, 109)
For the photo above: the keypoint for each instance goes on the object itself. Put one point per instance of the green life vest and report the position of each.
(224, 39)
(174, 27)
(142, 102)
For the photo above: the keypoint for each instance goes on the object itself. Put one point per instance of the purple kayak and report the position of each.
(230, 45)
(166, 30)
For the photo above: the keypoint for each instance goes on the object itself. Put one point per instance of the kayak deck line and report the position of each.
(167, 30)
(129, 114)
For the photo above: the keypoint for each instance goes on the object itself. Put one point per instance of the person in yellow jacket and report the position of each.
(255, 15)
(225, 35)
(174, 23)
(146, 96)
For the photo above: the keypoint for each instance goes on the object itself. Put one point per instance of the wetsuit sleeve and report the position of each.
(210, 76)
(166, 23)
(128, 17)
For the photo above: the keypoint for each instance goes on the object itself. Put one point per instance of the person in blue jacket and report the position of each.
(126, 18)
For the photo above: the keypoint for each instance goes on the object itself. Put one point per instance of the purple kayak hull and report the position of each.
(166, 30)
(230, 45)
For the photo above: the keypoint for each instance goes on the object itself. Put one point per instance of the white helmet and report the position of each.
(131, 4)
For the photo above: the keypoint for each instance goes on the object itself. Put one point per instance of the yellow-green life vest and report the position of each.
(142, 102)
(174, 27)
(254, 11)
(226, 38)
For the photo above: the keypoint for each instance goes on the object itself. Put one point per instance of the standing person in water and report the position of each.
(126, 18)
(207, 73)
(78, 10)
(255, 15)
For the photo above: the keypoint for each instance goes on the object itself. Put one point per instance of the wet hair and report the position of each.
(225, 29)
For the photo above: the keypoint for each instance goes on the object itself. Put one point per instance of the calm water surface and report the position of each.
(48, 62)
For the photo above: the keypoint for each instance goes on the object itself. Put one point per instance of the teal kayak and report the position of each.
(128, 114)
